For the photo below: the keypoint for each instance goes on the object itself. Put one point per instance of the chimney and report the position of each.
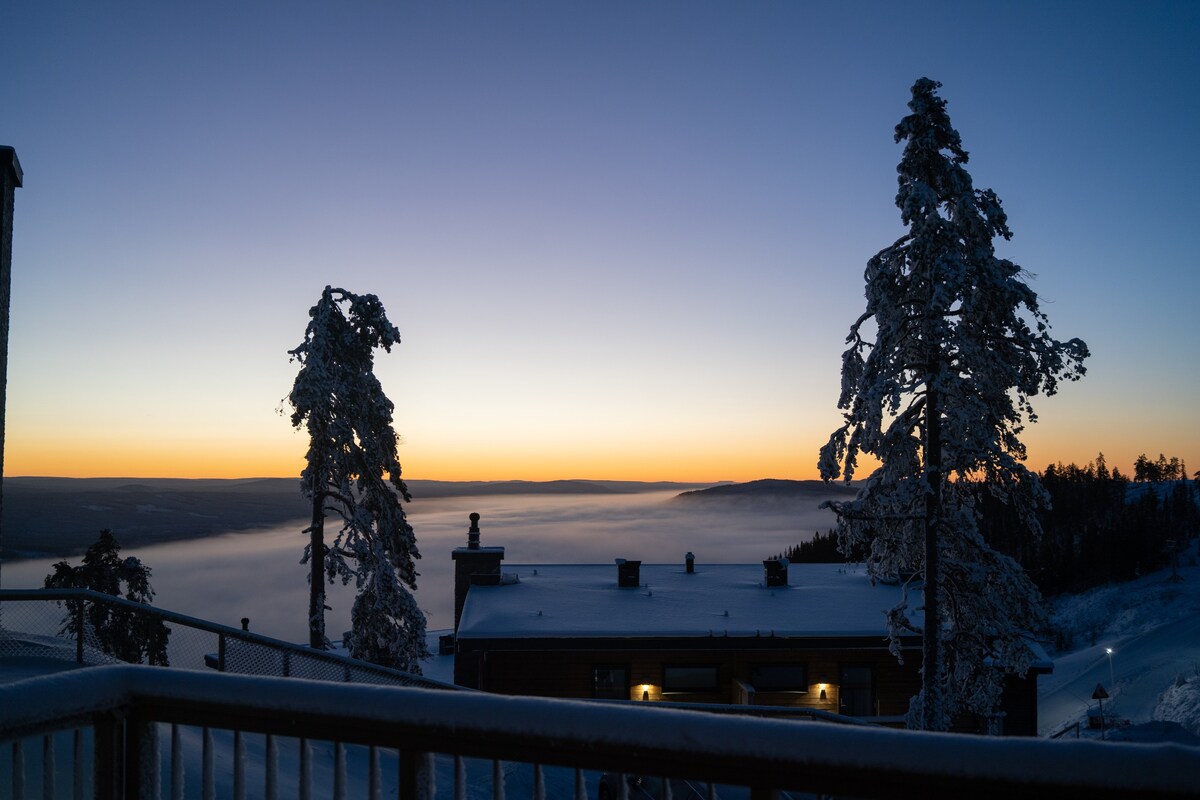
(690, 561)
(775, 572)
(473, 532)
(473, 564)
(629, 574)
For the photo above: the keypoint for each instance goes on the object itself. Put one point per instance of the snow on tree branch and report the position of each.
(940, 398)
(352, 473)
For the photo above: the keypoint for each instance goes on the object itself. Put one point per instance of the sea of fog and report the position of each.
(257, 574)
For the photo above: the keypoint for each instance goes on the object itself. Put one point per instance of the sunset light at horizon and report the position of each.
(621, 241)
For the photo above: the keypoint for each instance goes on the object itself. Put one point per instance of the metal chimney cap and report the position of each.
(8, 158)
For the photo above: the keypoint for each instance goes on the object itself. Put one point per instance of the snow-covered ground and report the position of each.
(1152, 626)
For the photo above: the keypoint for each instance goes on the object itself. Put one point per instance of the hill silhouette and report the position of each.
(771, 491)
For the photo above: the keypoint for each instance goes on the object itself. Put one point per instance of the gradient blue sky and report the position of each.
(621, 239)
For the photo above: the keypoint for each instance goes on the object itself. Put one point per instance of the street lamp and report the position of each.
(1112, 681)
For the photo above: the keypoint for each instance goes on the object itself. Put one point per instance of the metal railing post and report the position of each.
(77, 764)
(143, 771)
(109, 758)
(18, 769)
(48, 769)
(416, 776)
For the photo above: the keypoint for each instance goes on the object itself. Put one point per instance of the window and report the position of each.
(610, 683)
(681, 678)
(856, 694)
(779, 677)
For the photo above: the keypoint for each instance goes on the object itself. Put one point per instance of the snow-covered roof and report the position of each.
(583, 600)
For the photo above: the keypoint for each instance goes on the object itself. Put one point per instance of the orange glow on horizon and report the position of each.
(689, 461)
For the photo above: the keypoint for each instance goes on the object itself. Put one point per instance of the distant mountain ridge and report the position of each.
(45, 516)
(773, 490)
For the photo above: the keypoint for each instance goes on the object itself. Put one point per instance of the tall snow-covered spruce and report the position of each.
(936, 385)
(353, 475)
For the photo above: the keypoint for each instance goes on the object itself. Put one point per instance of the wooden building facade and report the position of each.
(810, 635)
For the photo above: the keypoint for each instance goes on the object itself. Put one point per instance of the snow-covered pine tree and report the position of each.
(353, 475)
(120, 632)
(936, 384)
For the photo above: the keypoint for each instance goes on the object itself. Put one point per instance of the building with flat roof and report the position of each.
(780, 634)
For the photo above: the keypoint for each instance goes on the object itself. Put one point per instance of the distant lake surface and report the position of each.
(257, 573)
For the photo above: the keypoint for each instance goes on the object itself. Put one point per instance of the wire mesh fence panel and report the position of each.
(49, 630)
(86, 627)
(188, 647)
(251, 658)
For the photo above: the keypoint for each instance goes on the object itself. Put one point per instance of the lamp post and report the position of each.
(1112, 681)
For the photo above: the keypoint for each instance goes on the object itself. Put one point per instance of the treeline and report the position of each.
(1102, 527)
(1161, 470)
(821, 549)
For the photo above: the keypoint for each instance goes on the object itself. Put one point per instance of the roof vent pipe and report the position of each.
(628, 573)
(775, 572)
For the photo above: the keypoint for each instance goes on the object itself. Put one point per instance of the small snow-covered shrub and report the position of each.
(1181, 703)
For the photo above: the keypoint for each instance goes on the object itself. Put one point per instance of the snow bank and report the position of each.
(1181, 703)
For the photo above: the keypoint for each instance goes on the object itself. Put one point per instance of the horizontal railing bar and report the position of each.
(750, 710)
(45, 595)
(858, 761)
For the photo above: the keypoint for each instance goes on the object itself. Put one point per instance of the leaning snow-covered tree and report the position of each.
(936, 385)
(353, 476)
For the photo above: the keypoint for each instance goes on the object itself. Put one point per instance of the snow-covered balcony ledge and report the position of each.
(126, 703)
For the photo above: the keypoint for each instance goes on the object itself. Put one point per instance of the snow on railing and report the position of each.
(307, 739)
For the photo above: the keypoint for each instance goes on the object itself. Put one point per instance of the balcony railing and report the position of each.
(141, 732)
(59, 623)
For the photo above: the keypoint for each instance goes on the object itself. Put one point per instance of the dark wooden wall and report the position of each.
(563, 668)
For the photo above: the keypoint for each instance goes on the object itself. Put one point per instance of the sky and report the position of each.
(621, 240)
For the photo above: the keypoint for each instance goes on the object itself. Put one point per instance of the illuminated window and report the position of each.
(680, 678)
(611, 683)
(779, 677)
